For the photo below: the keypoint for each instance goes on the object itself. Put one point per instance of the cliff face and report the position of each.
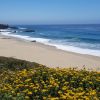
(2, 26)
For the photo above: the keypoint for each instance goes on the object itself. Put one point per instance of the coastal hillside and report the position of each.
(6, 26)
(2, 26)
(23, 80)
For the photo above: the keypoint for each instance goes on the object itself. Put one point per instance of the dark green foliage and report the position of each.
(15, 64)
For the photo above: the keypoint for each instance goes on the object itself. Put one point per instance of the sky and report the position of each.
(50, 11)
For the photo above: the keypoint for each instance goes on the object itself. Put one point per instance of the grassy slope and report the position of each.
(23, 80)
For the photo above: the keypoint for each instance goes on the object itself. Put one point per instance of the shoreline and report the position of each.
(69, 48)
(46, 55)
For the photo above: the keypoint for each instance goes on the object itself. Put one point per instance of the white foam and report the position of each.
(4, 30)
(78, 50)
(28, 38)
(22, 28)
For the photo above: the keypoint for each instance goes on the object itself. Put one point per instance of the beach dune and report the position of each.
(46, 55)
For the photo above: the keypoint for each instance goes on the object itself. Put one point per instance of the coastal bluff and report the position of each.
(4, 26)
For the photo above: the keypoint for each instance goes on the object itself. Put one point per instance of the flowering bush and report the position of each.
(43, 83)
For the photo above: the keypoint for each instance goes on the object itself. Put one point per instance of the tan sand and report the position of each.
(46, 55)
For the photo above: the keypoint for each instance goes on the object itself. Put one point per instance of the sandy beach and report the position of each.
(46, 55)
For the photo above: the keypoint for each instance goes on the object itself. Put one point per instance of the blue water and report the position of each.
(83, 39)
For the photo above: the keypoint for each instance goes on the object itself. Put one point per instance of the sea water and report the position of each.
(83, 39)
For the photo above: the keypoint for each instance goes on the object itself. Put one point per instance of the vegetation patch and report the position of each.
(22, 80)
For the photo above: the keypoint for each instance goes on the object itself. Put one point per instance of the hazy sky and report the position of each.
(49, 11)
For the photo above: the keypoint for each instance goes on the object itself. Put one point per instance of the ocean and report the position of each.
(83, 39)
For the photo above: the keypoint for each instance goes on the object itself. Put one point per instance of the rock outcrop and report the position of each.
(29, 30)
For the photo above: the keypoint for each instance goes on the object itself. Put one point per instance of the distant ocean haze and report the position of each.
(84, 39)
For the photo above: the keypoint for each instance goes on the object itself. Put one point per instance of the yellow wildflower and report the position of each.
(29, 93)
